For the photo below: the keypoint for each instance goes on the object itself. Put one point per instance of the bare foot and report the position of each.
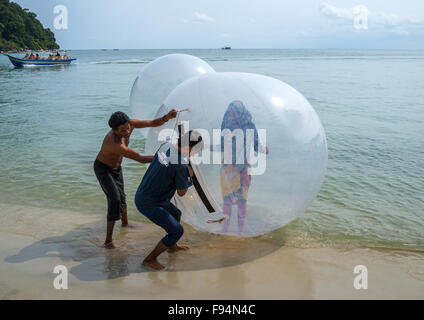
(126, 225)
(109, 245)
(153, 264)
(176, 248)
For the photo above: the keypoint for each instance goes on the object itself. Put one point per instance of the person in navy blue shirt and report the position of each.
(168, 173)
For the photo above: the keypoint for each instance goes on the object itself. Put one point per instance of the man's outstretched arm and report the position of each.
(154, 123)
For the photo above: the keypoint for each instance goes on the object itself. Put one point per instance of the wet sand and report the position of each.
(35, 240)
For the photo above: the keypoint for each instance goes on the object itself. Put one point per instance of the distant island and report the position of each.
(20, 30)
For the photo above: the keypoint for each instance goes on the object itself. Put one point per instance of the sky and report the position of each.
(177, 24)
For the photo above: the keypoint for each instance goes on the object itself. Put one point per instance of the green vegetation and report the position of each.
(19, 29)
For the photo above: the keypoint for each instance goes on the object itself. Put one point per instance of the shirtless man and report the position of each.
(107, 166)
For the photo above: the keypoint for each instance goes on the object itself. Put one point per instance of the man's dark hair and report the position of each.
(194, 137)
(118, 118)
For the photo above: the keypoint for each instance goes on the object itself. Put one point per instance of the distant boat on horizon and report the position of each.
(226, 48)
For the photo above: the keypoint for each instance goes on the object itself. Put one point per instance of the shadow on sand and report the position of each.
(82, 246)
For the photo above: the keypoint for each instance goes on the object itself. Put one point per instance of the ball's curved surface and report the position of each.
(291, 151)
(158, 78)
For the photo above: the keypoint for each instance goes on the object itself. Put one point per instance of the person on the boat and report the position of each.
(26, 56)
(58, 56)
(31, 56)
(107, 166)
(37, 57)
(169, 173)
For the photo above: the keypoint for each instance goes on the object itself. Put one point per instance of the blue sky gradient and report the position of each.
(138, 24)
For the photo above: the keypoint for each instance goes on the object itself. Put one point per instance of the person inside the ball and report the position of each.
(107, 166)
(236, 143)
(169, 173)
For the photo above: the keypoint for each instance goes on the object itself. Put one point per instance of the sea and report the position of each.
(370, 102)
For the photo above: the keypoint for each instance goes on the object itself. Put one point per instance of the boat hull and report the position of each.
(25, 62)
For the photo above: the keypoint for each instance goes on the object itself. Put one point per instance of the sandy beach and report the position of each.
(35, 240)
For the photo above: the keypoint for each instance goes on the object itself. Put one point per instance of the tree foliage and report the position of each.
(20, 29)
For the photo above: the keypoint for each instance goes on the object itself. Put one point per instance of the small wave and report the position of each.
(129, 61)
(310, 57)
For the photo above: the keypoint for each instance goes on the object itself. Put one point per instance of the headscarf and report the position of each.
(236, 117)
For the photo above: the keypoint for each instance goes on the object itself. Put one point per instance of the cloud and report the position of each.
(198, 17)
(338, 13)
(201, 17)
(378, 21)
(393, 20)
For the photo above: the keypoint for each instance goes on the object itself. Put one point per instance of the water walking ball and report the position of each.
(158, 78)
(264, 156)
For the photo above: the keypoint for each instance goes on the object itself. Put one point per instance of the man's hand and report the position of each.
(182, 192)
(191, 171)
(171, 114)
(139, 124)
(264, 149)
(126, 152)
(148, 159)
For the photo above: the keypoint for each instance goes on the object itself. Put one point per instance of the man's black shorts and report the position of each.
(112, 183)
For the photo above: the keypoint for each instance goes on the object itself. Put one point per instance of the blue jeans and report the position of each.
(167, 216)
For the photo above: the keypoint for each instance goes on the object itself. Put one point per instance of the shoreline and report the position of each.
(35, 240)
